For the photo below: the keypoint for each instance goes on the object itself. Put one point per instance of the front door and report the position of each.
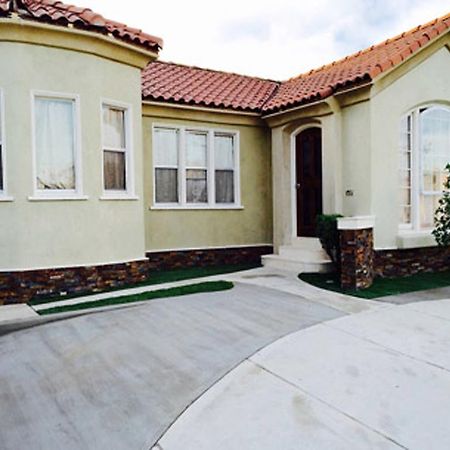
(308, 152)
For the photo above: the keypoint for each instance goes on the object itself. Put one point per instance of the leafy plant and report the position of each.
(328, 234)
(441, 230)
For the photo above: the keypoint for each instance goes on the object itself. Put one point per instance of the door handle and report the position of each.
(297, 186)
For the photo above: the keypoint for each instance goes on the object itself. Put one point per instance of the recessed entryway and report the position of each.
(308, 183)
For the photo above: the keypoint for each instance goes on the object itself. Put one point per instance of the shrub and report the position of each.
(328, 234)
(441, 230)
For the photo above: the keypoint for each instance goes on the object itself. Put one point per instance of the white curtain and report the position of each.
(55, 143)
(113, 128)
(165, 149)
(224, 165)
(166, 182)
(196, 186)
(114, 172)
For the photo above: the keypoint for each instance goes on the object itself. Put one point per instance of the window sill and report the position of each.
(195, 207)
(6, 199)
(415, 239)
(118, 197)
(62, 198)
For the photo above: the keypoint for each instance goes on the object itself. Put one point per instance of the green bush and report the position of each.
(441, 230)
(328, 234)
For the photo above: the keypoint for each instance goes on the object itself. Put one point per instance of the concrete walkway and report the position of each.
(118, 379)
(375, 380)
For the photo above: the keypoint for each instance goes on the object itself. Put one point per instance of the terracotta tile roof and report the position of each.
(58, 13)
(361, 67)
(169, 82)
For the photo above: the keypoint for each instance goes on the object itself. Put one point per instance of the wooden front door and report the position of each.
(308, 152)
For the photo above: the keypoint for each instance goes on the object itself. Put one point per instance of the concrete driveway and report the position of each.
(119, 379)
(374, 380)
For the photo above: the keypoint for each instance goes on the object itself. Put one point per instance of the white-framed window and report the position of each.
(116, 150)
(424, 153)
(195, 167)
(2, 149)
(56, 143)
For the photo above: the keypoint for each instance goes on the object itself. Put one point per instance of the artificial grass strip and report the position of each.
(381, 287)
(166, 276)
(210, 286)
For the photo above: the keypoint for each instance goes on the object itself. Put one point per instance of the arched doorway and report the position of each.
(308, 170)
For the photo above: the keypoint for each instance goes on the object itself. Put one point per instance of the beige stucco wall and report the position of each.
(360, 136)
(426, 82)
(356, 160)
(284, 207)
(182, 229)
(63, 233)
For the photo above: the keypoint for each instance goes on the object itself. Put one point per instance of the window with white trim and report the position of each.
(195, 167)
(115, 148)
(196, 151)
(424, 153)
(166, 155)
(2, 151)
(56, 142)
(224, 148)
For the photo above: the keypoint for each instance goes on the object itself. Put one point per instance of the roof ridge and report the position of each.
(373, 46)
(207, 69)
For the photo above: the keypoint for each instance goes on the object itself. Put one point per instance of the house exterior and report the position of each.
(114, 164)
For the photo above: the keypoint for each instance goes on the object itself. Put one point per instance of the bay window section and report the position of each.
(425, 152)
(195, 168)
(115, 150)
(56, 146)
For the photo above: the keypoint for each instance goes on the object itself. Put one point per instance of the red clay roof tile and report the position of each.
(361, 67)
(171, 82)
(58, 13)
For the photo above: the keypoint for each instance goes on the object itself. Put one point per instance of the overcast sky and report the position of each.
(274, 39)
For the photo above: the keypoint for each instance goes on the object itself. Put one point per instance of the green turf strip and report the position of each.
(167, 276)
(210, 286)
(381, 287)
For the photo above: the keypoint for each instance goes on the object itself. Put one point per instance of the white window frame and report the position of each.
(416, 171)
(129, 192)
(4, 191)
(210, 176)
(58, 194)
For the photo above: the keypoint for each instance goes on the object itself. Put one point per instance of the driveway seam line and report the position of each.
(319, 399)
(393, 350)
(247, 358)
(435, 316)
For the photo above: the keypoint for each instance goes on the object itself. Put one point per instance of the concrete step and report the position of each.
(307, 243)
(295, 252)
(296, 265)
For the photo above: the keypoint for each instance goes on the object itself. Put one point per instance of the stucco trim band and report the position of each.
(356, 223)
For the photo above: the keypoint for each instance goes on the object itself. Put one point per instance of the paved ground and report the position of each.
(118, 379)
(418, 296)
(375, 380)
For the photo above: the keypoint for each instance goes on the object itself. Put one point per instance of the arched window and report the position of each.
(424, 153)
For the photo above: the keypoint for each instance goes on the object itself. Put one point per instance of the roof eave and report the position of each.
(15, 29)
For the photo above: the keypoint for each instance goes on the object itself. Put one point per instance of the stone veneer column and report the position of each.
(357, 255)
